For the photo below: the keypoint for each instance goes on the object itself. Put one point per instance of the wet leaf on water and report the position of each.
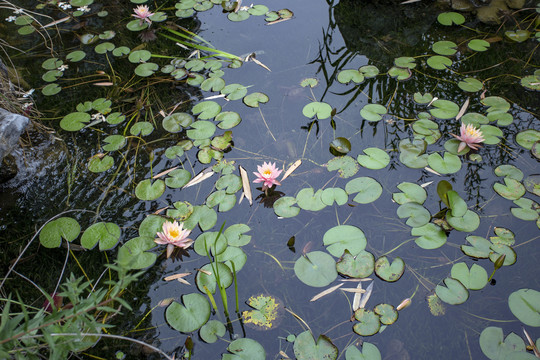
(470, 85)
(405, 62)
(344, 237)
(341, 145)
(369, 71)
(504, 236)
(439, 62)
(479, 248)
(52, 89)
(177, 178)
(213, 84)
(518, 35)
(139, 56)
(531, 82)
(307, 200)
(99, 164)
(445, 109)
(457, 205)
(62, 228)
(369, 323)
(176, 122)
(496, 347)
(412, 153)
(105, 47)
(444, 47)
(528, 210)
(350, 75)
(254, 99)
(234, 91)
(106, 233)
(478, 45)
(283, 207)
(422, 99)
(509, 171)
(75, 121)
(387, 271)
(143, 128)
(320, 110)
(189, 316)
(373, 112)
(466, 223)
(497, 250)
(359, 266)
(311, 82)
(453, 293)
(317, 269)
(399, 73)
(206, 110)
(474, 278)
(203, 280)
(411, 192)
(387, 313)
(417, 214)
(532, 184)
(337, 195)
(527, 138)
(450, 164)
(201, 130)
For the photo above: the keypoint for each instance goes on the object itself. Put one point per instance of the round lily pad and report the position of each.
(146, 190)
(134, 255)
(228, 119)
(344, 237)
(254, 99)
(525, 305)
(400, 73)
(369, 352)
(373, 112)
(206, 110)
(106, 233)
(497, 250)
(320, 110)
(405, 62)
(142, 128)
(387, 313)
(479, 248)
(205, 281)
(359, 266)
(305, 347)
(316, 269)
(62, 228)
(450, 18)
(532, 184)
(453, 293)
(366, 189)
(439, 62)
(512, 190)
(75, 121)
(245, 349)
(411, 192)
(208, 243)
(450, 164)
(496, 347)
(309, 201)
(189, 316)
(509, 171)
(369, 323)
(346, 76)
(375, 158)
(474, 278)
(457, 205)
(417, 214)
(114, 142)
(478, 45)
(527, 138)
(467, 223)
(201, 130)
(389, 272)
(346, 166)
(177, 178)
(99, 164)
(340, 145)
(431, 236)
(175, 122)
(445, 109)
(210, 331)
(470, 85)
(444, 47)
(337, 195)
(283, 207)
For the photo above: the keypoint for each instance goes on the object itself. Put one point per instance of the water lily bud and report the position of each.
(500, 261)
(402, 305)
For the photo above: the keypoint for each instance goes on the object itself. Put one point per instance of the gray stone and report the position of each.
(11, 128)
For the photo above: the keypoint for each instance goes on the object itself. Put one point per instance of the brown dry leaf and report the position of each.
(245, 185)
(282, 353)
(54, 23)
(204, 272)
(427, 168)
(278, 21)
(203, 175)
(463, 109)
(105, 83)
(291, 168)
(357, 298)
(366, 295)
(260, 64)
(326, 292)
(159, 211)
(164, 172)
(165, 302)
(176, 276)
(354, 290)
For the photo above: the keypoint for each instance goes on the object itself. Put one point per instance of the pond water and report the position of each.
(321, 40)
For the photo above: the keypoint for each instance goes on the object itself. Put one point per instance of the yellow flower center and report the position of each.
(472, 131)
(267, 172)
(174, 233)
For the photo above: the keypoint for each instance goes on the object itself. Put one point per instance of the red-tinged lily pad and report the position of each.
(305, 347)
(189, 316)
(359, 266)
(369, 323)
(62, 228)
(474, 278)
(389, 272)
(316, 269)
(453, 293)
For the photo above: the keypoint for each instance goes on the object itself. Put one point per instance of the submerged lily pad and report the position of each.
(305, 347)
(344, 237)
(189, 316)
(389, 272)
(453, 293)
(316, 269)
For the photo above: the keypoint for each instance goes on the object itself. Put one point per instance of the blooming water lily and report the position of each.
(173, 235)
(470, 136)
(267, 174)
(143, 13)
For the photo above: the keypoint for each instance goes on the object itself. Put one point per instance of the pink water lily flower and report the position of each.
(143, 13)
(470, 136)
(173, 235)
(267, 174)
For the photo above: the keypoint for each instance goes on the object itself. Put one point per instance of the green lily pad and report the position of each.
(121, 51)
(373, 112)
(175, 122)
(52, 75)
(474, 279)
(431, 236)
(201, 130)
(417, 214)
(478, 45)
(254, 99)
(532, 184)
(405, 62)
(470, 85)
(369, 71)
(309, 201)
(450, 164)
(504, 236)
(146, 69)
(189, 316)
(369, 352)
(389, 272)
(146, 190)
(182, 210)
(439, 62)
(114, 142)
(512, 190)
(238, 16)
(366, 189)
(62, 228)
(258, 10)
(209, 281)
(151, 225)
(320, 110)
(527, 138)
(235, 235)
(99, 164)
(453, 293)
(139, 56)
(177, 178)
(283, 207)
(400, 73)
(245, 349)
(52, 63)
(202, 215)
(206, 110)
(311, 82)
(475, 119)
(233, 255)
(411, 192)
(387, 313)
(518, 35)
(359, 266)
(213, 84)
(115, 118)
(374, 159)
(457, 205)
(346, 76)
(525, 305)
(497, 250)
(143, 128)
(480, 248)
(305, 347)
(412, 153)
(450, 18)
(496, 347)
(174, 151)
(234, 91)
(208, 241)
(531, 82)
(228, 119)
(422, 99)
(210, 331)
(340, 145)
(369, 323)
(466, 223)
(134, 255)
(346, 166)
(107, 234)
(444, 47)
(445, 109)
(344, 237)
(528, 210)
(337, 195)
(509, 171)
(75, 121)
(316, 269)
